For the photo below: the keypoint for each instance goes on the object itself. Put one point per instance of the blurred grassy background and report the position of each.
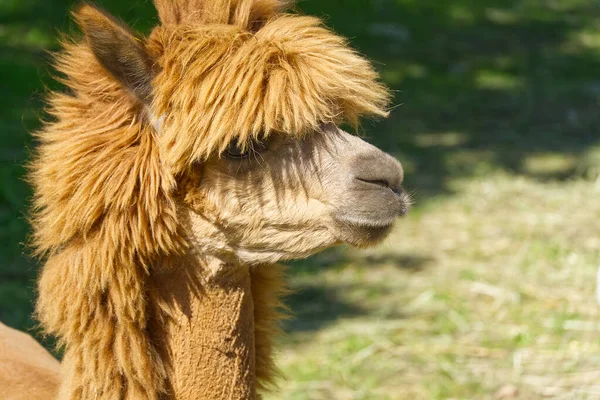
(486, 290)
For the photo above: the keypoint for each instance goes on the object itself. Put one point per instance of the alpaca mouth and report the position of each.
(362, 223)
(375, 209)
(362, 233)
(368, 226)
(405, 203)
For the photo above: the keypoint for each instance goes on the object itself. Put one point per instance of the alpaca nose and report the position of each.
(379, 169)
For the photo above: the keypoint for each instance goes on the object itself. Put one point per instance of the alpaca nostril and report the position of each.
(378, 170)
(378, 182)
(397, 189)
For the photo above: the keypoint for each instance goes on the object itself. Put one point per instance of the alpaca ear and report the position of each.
(118, 51)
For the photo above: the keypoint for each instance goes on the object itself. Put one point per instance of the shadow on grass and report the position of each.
(482, 85)
(316, 304)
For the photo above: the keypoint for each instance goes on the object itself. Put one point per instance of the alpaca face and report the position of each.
(277, 88)
(289, 198)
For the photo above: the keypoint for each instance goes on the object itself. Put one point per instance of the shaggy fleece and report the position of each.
(107, 186)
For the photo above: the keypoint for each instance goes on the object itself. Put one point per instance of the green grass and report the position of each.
(490, 287)
(487, 288)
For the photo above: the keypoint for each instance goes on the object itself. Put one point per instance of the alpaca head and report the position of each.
(218, 136)
(245, 105)
(288, 198)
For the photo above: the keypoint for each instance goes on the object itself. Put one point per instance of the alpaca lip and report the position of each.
(404, 200)
(404, 204)
(358, 222)
(382, 189)
(362, 232)
(374, 209)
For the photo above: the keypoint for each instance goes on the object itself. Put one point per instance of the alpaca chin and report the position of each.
(363, 235)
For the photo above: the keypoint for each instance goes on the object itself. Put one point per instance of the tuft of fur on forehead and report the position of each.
(221, 83)
(247, 14)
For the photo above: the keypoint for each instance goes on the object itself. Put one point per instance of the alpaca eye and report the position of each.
(235, 151)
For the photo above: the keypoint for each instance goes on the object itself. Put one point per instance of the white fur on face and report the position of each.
(287, 202)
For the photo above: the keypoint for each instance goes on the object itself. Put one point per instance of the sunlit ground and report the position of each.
(486, 290)
(490, 290)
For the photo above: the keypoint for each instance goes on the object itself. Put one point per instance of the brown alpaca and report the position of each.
(178, 170)
(27, 370)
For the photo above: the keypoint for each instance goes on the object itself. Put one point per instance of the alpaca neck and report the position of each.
(207, 341)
